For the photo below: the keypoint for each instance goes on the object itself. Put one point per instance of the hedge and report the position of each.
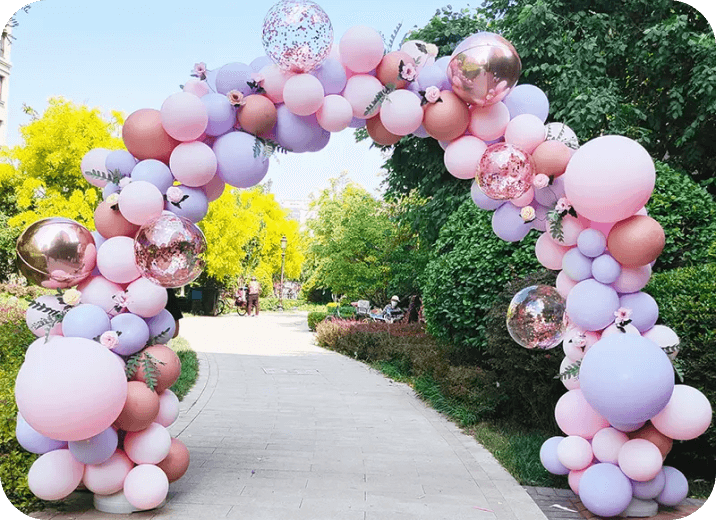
(314, 318)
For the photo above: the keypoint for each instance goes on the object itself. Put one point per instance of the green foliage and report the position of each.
(189, 367)
(687, 299)
(8, 239)
(314, 318)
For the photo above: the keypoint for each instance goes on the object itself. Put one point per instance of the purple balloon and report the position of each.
(540, 221)
(507, 223)
(259, 63)
(551, 194)
(626, 378)
(421, 132)
(676, 487)
(98, 239)
(357, 123)
(194, 207)
(627, 428)
(154, 172)
(592, 243)
(33, 441)
(222, 115)
(97, 449)
(645, 310)
(527, 99)
(234, 76)
(548, 456)
(121, 161)
(605, 490)
(320, 142)
(649, 489)
(296, 133)
(443, 63)
(605, 269)
(591, 305)
(236, 163)
(108, 189)
(432, 76)
(211, 79)
(85, 321)
(160, 323)
(332, 76)
(134, 333)
(577, 266)
(481, 200)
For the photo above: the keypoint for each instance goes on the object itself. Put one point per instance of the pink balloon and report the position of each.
(274, 82)
(145, 298)
(303, 94)
(193, 164)
(526, 131)
(687, 415)
(640, 460)
(664, 337)
(360, 92)
(214, 188)
(604, 227)
(401, 113)
(564, 284)
(570, 383)
(184, 116)
(140, 201)
(361, 48)
(38, 347)
(462, 156)
(61, 399)
(549, 253)
(146, 486)
(335, 114)
(149, 446)
(575, 452)
(607, 443)
(108, 478)
(489, 123)
(577, 342)
(525, 199)
(101, 292)
(574, 478)
(571, 228)
(632, 279)
(197, 87)
(34, 316)
(95, 160)
(116, 262)
(55, 475)
(168, 408)
(609, 178)
(575, 416)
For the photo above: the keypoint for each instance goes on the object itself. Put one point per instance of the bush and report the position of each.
(314, 318)
(687, 304)
(189, 367)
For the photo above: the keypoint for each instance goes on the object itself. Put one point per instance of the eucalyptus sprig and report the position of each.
(570, 372)
(389, 44)
(148, 363)
(113, 176)
(556, 217)
(255, 87)
(379, 98)
(267, 147)
(671, 349)
(154, 339)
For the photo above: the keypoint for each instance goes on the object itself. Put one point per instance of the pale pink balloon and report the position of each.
(525, 199)
(632, 279)
(687, 415)
(55, 475)
(575, 477)
(549, 253)
(571, 228)
(360, 92)
(564, 284)
(612, 329)
(108, 478)
(34, 316)
(184, 116)
(193, 164)
(570, 383)
(640, 460)
(146, 486)
(607, 443)
(574, 452)
(140, 201)
(214, 188)
(197, 87)
(577, 342)
(604, 227)
(335, 114)
(148, 446)
(664, 337)
(303, 94)
(462, 156)
(575, 416)
(609, 178)
(101, 292)
(116, 261)
(95, 160)
(361, 48)
(145, 298)
(526, 131)
(274, 82)
(168, 408)
(37, 347)
(489, 123)
(401, 113)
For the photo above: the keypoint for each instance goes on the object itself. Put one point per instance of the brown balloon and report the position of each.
(636, 241)
(447, 119)
(110, 222)
(378, 133)
(145, 137)
(140, 409)
(167, 363)
(258, 115)
(551, 158)
(177, 462)
(388, 69)
(650, 433)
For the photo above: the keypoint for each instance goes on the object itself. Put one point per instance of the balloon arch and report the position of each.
(101, 357)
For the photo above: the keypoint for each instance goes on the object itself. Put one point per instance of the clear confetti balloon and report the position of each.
(169, 250)
(505, 171)
(297, 35)
(536, 317)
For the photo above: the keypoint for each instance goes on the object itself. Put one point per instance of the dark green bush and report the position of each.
(687, 304)
(314, 318)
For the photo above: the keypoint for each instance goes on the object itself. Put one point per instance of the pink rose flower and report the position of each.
(408, 72)
(120, 299)
(174, 194)
(579, 341)
(541, 181)
(563, 205)
(109, 339)
(622, 314)
(199, 70)
(432, 94)
(236, 98)
(71, 297)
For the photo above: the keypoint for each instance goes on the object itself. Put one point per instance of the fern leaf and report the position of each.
(570, 372)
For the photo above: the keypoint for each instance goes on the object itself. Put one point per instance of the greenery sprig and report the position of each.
(379, 98)
(570, 372)
(113, 176)
(389, 44)
(671, 349)
(153, 339)
(556, 216)
(148, 363)
(267, 147)
(255, 87)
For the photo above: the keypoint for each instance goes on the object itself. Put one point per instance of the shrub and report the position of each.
(314, 318)
(23, 291)
(329, 332)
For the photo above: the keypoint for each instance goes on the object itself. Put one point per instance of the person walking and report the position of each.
(254, 292)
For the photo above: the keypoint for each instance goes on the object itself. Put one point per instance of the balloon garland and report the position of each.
(222, 128)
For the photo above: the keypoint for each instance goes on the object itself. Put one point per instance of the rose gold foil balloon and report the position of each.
(505, 171)
(484, 68)
(536, 317)
(169, 250)
(56, 253)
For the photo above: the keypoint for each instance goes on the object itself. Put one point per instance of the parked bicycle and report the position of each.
(227, 301)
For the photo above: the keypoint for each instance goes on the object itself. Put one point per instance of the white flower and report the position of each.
(432, 94)
(541, 181)
(124, 182)
(174, 194)
(528, 213)
(432, 49)
(622, 314)
(109, 339)
(113, 199)
(71, 297)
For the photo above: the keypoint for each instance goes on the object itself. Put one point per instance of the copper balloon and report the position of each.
(388, 69)
(140, 409)
(378, 132)
(447, 119)
(177, 462)
(111, 223)
(636, 241)
(484, 69)
(258, 115)
(651, 434)
(56, 253)
(168, 368)
(169, 250)
(145, 137)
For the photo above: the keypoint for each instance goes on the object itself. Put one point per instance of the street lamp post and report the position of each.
(284, 243)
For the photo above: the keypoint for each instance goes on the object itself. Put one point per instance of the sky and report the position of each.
(135, 53)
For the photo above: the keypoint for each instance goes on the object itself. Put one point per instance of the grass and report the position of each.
(189, 367)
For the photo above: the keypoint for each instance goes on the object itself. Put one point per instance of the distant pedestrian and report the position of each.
(254, 292)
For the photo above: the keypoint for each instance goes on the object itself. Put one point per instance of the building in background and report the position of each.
(299, 210)
(4, 80)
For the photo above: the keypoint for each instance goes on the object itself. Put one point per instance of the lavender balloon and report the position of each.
(548, 456)
(108, 189)
(507, 223)
(551, 194)
(356, 123)
(162, 327)
(626, 378)
(134, 333)
(645, 310)
(591, 305)
(433, 76)
(236, 163)
(259, 63)
(120, 161)
(577, 266)
(527, 99)
(319, 142)
(481, 200)
(592, 243)
(540, 221)
(332, 76)
(676, 488)
(296, 133)
(421, 133)
(222, 115)
(97, 449)
(154, 172)
(627, 427)
(33, 441)
(651, 488)
(194, 207)
(85, 321)
(605, 269)
(605, 490)
(234, 76)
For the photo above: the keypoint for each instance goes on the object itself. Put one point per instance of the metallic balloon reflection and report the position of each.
(56, 253)
(169, 250)
(505, 171)
(536, 317)
(484, 68)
